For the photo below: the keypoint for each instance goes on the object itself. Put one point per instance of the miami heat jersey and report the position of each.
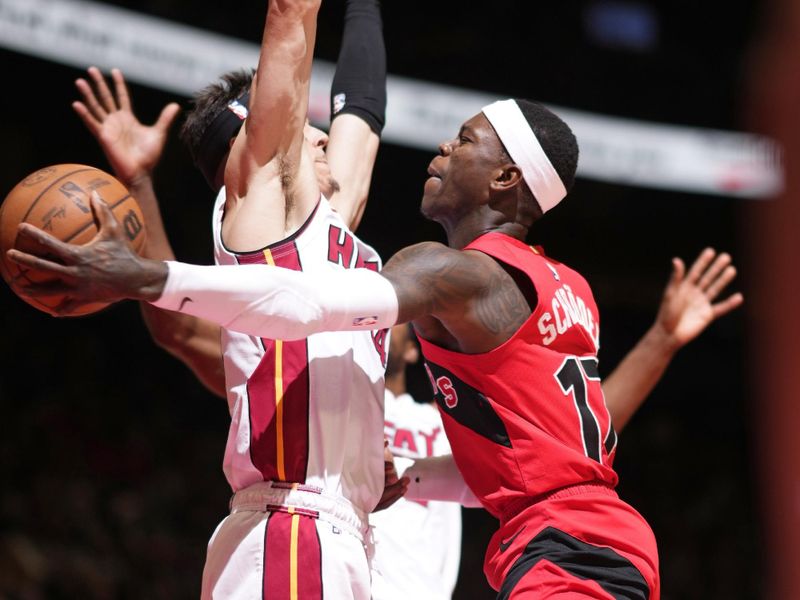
(529, 417)
(308, 411)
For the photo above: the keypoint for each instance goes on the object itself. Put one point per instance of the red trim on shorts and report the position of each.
(309, 561)
(278, 549)
(264, 426)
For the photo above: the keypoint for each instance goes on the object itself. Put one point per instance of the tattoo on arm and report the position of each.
(432, 280)
(504, 309)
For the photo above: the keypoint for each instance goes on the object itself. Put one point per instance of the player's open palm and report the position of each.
(688, 305)
(132, 149)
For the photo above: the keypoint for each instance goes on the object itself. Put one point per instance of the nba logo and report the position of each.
(338, 102)
(365, 321)
(553, 270)
(239, 109)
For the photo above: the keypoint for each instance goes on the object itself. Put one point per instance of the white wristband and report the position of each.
(438, 478)
(278, 303)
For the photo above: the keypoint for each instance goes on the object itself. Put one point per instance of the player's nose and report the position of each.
(445, 148)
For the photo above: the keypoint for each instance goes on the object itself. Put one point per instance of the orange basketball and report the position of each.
(57, 199)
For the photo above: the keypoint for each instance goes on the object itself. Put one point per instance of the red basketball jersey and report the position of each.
(529, 417)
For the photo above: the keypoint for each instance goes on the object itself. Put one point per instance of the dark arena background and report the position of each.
(110, 451)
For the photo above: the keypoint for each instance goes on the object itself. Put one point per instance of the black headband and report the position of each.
(216, 140)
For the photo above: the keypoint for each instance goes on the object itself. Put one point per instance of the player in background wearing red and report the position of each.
(471, 302)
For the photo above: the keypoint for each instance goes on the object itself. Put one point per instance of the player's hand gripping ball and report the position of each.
(57, 200)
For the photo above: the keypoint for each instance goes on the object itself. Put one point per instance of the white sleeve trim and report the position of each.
(279, 303)
(438, 478)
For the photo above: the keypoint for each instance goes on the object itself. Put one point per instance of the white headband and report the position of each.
(525, 150)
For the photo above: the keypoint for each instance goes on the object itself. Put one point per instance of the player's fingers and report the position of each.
(678, 271)
(92, 124)
(719, 284)
(712, 273)
(90, 99)
(727, 305)
(67, 306)
(103, 217)
(53, 287)
(59, 249)
(392, 493)
(103, 91)
(167, 116)
(700, 265)
(121, 88)
(38, 263)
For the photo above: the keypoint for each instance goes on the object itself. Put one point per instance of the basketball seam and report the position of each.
(90, 223)
(33, 204)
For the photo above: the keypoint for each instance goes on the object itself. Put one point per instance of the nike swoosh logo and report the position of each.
(184, 301)
(504, 544)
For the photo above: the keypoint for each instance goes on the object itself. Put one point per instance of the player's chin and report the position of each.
(429, 195)
(329, 186)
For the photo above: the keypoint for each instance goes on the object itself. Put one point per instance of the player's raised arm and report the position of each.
(687, 308)
(134, 150)
(269, 178)
(358, 108)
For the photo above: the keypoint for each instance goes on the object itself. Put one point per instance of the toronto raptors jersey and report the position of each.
(529, 417)
(308, 411)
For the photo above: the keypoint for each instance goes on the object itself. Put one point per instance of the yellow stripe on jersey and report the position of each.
(293, 555)
(278, 392)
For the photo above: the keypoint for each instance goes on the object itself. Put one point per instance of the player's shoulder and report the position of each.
(439, 259)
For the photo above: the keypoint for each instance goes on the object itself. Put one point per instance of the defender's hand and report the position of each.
(133, 149)
(687, 306)
(394, 487)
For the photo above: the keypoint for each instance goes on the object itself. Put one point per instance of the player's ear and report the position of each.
(506, 177)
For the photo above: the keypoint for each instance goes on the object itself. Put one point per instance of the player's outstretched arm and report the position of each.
(687, 307)
(269, 177)
(358, 108)
(134, 150)
(259, 299)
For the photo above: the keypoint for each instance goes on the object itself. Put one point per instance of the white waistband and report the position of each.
(274, 496)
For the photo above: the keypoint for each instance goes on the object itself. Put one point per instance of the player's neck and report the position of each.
(465, 232)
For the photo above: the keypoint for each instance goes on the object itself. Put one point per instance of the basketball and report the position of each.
(57, 200)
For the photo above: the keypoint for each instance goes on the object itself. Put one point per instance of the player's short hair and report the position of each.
(555, 137)
(209, 102)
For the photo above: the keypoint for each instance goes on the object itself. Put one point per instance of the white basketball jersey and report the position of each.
(309, 411)
(417, 545)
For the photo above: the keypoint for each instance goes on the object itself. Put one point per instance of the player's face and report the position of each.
(460, 176)
(317, 141)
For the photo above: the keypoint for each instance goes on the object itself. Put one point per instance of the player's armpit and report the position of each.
(269, 174)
